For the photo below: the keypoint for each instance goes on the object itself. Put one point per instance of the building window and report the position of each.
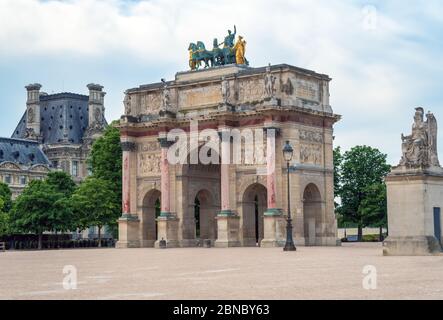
(74, 169)
(8, 179)
(23, 180)
(55, 164)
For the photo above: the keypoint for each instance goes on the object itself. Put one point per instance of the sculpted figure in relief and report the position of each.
(225, 90)
(269, 83)
(127, 104)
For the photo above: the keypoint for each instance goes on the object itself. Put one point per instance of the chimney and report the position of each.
(96, 105)
(33, 110)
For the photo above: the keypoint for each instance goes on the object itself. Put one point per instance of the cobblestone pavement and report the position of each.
(234, 273)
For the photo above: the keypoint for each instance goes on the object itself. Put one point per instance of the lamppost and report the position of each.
(287, 155)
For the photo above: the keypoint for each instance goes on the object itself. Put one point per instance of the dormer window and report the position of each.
(1, 154)
(16, 155)
(31, 156)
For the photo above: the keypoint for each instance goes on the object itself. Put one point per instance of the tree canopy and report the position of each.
(105, 162)
(105, 159)
(41, 208)
(93, 204)
(5, 195)
(4, 220)
(361, 175)
(61, 182)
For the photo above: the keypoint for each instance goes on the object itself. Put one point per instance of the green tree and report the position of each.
(40, 208)
(4, 220)
(374, 208)
(105, 159)
(93, 204)
(61, 182)
(5, 195)
(361, 168)
(337, 158)
(105, 162)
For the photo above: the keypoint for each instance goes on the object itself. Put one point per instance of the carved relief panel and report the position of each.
(251, 90)
(148, 158)
(307, 89)
(311, 147)
(150, 103)
(311, 154)
(199, 96)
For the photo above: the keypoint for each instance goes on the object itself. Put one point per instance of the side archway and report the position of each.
(150, 213)
(254, 202)
(312, 213)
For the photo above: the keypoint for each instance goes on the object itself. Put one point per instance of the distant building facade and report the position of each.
(21, 161)
(65, 125)
(56, 132)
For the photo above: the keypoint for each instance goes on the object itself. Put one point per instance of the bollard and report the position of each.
(207, 243)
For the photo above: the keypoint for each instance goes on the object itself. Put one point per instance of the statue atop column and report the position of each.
(420, 147)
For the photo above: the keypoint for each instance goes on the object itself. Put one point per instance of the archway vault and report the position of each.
(252, 208)
(148, 220)
(312, 214)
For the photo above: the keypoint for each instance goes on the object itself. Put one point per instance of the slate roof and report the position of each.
(60, 113)
(20, 151)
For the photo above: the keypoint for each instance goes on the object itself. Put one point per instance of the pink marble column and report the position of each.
(165, 196)
(164, 168)
(224, 170)
(127, 148)
(270, 167)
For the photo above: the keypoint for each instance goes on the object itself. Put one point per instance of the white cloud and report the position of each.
(378, 74)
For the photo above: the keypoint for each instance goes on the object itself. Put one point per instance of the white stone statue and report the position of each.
(225, 90)
(269, 83)
(166, 97)
(420, 148)
(127, 103)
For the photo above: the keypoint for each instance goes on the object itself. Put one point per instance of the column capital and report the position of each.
(128, 146)
(164, 142)
(226, 213)
(276, 129)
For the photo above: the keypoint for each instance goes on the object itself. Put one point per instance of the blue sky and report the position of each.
(384, 56)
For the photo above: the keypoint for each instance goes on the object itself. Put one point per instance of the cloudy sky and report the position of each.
(385, 57)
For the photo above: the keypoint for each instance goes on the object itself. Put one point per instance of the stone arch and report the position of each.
(198, 183)
(205, 212)
(312, 213)
(149, 213)
(253, 206)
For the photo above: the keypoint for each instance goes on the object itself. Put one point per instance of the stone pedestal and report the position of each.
(167, 230)
(228, 226)
(128, 226)
(274, 229)
(414, 199)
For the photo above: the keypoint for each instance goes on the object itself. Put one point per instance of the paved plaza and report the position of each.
(234, 273)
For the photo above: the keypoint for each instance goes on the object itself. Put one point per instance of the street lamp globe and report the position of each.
(287, 152)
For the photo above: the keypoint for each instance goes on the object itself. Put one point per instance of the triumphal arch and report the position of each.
(203, 163)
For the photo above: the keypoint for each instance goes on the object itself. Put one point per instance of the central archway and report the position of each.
(205, 212)
(254, 203)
